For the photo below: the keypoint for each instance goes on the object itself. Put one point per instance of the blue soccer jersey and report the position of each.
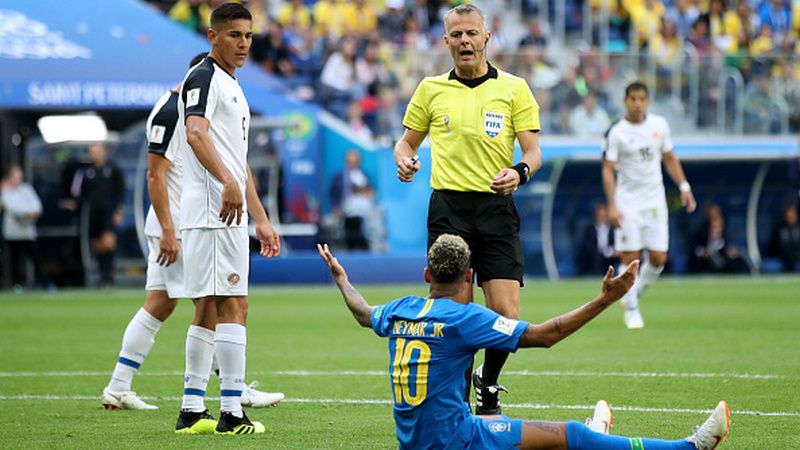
(431, 345)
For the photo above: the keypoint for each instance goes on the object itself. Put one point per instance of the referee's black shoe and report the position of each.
(486, 401)
(230, 424)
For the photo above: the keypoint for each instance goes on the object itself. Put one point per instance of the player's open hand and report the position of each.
(505, 182)
(232, 204)
(688, 202)
(615, 287)
(337, 270)
(269, 239)
(168, 248)
(407, 167)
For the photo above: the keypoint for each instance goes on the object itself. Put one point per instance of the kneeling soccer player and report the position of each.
(433, 340)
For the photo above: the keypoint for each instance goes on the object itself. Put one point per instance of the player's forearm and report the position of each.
(254, 206)
(609, 185)
(675, 170)
(159, 198)
(204, 150)
(361, 311)
(554, 330)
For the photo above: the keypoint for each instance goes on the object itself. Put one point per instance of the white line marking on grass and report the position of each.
(361, 373)
(361, 401)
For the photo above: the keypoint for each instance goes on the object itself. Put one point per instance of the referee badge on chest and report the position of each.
(493, 123)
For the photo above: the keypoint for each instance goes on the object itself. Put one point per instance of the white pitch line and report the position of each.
(361, 401)
(371, 373)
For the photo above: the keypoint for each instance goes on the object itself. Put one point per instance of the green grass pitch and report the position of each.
(705, 339)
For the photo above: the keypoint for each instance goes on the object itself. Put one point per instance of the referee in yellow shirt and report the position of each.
(473, 113)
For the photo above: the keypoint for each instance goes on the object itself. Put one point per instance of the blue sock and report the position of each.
(580, 437)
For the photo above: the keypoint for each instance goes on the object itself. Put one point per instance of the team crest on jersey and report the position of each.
(157, 134)
(498, 427)
(493, 123)
(233, 279)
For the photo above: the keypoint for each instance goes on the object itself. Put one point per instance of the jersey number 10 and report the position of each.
(401, 371)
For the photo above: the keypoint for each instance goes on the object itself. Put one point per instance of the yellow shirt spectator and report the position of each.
(295, 12)
(360, 17)
(329, 18)
(181, 12)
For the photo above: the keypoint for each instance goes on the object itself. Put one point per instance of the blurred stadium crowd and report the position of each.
(725, 65)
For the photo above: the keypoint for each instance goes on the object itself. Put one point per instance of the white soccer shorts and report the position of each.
(217, 261)
(643, 229)
(160, 278)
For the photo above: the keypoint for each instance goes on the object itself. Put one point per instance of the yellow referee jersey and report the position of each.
(472, 129)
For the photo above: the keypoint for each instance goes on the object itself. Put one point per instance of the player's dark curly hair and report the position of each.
(448, 258)
(227, 13)
(635, 86)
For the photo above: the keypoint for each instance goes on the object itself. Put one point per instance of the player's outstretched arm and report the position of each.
(352, 298)
(558, 328)
(405, 154)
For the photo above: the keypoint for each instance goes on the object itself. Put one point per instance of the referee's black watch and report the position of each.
(524, 172)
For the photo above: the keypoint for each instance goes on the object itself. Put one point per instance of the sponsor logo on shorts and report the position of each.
(233, 279)
(498, 427)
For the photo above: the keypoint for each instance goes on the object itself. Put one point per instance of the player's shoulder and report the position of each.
(657, 120)
(202, 73)
(614, 127)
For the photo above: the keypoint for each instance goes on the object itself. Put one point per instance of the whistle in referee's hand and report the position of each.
(414, 160)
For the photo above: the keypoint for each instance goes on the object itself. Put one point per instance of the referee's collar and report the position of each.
(474, 82)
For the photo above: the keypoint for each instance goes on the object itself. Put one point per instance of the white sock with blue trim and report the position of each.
(199, 353)
(231, 342)
(136, 344)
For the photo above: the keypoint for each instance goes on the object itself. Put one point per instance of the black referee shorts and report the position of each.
(490, 225)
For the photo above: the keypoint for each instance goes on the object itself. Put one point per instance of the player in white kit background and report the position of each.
(219, 195)
(166, 142)
(635, 147)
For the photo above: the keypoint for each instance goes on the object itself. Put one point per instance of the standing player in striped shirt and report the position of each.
(637, 207)
(218, 194)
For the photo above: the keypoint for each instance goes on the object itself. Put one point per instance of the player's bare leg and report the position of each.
(502, 296)
(630, 302)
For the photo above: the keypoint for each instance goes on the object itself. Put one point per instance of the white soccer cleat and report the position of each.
(633, 319)
(713, 431)
(603, 418)
(124, 400)
(257, 399)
